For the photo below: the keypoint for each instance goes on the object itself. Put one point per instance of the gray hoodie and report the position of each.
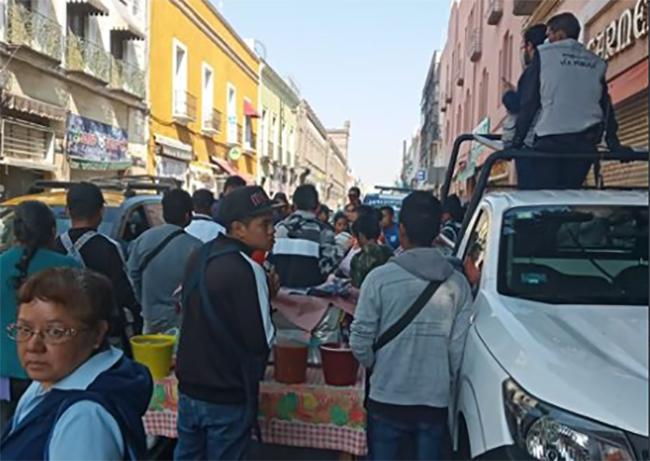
(417, 367)
(155, 287)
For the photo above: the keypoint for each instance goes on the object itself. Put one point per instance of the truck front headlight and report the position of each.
(550, 434)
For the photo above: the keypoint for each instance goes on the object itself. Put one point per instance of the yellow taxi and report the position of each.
(127, 213)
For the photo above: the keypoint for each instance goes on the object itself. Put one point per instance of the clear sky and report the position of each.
(358, 60)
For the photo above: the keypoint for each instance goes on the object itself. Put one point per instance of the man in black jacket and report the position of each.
(226, 332)
(96, 251)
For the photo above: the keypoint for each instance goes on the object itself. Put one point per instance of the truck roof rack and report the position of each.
(494, 140)
(126, 184)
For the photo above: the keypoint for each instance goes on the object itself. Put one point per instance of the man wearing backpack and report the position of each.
(157, 262)
(409, 327)
(226, 332)
(98, 252)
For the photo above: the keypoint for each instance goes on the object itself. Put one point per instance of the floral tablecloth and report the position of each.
(312, 414)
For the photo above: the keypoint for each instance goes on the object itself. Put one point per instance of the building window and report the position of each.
(505, 64)
(247, 127)
(274, 136)
(207, 97)
(468, 112)
(263, 136)
(179, 78)
(483, 95)
(231, 98)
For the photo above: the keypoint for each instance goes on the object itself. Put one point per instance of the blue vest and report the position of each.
(31, 438)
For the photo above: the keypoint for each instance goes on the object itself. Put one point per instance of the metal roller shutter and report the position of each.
(632, 119)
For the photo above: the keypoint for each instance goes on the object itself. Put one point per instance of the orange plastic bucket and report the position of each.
(290, 362)
(339, 365)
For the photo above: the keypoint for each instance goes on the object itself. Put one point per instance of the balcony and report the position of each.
(474, 47)
(212, 122)
(35, 31)
(459, 76)
(87, 58)
(127, 78)
(494, 12)
(524, 7)
(184, 110)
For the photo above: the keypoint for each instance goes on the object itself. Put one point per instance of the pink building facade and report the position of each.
(483, 48)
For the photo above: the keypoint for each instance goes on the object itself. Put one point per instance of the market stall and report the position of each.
(311, 414)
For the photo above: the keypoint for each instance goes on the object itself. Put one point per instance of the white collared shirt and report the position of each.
(204, 228)
(85, 421)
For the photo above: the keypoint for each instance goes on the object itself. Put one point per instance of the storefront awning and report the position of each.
(231, 170)
(124, 27)
(91, 7)
(33, 107)
(249, 110)
(173, 148)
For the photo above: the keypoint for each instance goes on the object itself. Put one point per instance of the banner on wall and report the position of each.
(92, 141)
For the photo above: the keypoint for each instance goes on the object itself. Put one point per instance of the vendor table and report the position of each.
(312, 414)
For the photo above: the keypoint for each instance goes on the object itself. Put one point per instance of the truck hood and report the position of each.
(590, 360)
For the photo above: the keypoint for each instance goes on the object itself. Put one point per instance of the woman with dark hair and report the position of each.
(87, 399)
(34, 229)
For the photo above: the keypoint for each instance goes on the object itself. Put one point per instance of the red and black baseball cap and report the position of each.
(245, 202)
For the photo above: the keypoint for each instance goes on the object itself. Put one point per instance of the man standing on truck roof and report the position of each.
(569, 89)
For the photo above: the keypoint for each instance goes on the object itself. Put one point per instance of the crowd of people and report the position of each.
(70, 302)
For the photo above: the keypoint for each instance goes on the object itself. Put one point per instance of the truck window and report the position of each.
(575, 254)
(476, 247)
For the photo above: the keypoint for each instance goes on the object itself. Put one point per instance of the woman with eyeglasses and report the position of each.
(87, 400)
(34, 230)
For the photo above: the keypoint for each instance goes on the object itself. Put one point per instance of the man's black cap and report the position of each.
(245, 202)
(84, 196)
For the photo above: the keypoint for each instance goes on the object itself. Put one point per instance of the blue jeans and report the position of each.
(390, 440)
(210, 431)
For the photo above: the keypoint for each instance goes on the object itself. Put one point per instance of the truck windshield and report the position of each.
(575, 254)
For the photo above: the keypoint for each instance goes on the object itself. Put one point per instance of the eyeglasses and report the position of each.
(50, 335)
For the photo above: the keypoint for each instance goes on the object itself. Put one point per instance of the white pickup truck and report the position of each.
(555, 365)
(556, 360)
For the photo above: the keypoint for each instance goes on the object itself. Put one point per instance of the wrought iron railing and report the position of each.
(127, 77)
(184, 105)
(212, 121)
(494, 11)
(34, 30)
(87, 57)
(475, 47)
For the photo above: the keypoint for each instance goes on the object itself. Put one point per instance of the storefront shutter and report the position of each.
(632, 119)
(25, 141)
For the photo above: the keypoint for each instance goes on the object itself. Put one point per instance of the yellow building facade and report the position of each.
(203, 95)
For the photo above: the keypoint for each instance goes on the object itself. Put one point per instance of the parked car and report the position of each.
(133, 205)
(387, 196)
(555, 366)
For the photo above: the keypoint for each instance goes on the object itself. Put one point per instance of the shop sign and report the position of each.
(477, 149)
(622, 32)
(234, 154)
(89, 140)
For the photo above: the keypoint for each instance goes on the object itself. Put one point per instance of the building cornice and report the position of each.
(314, 118)
(277, 82)
(205, 27)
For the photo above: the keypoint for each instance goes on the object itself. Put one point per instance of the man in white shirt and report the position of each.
(203, 227)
